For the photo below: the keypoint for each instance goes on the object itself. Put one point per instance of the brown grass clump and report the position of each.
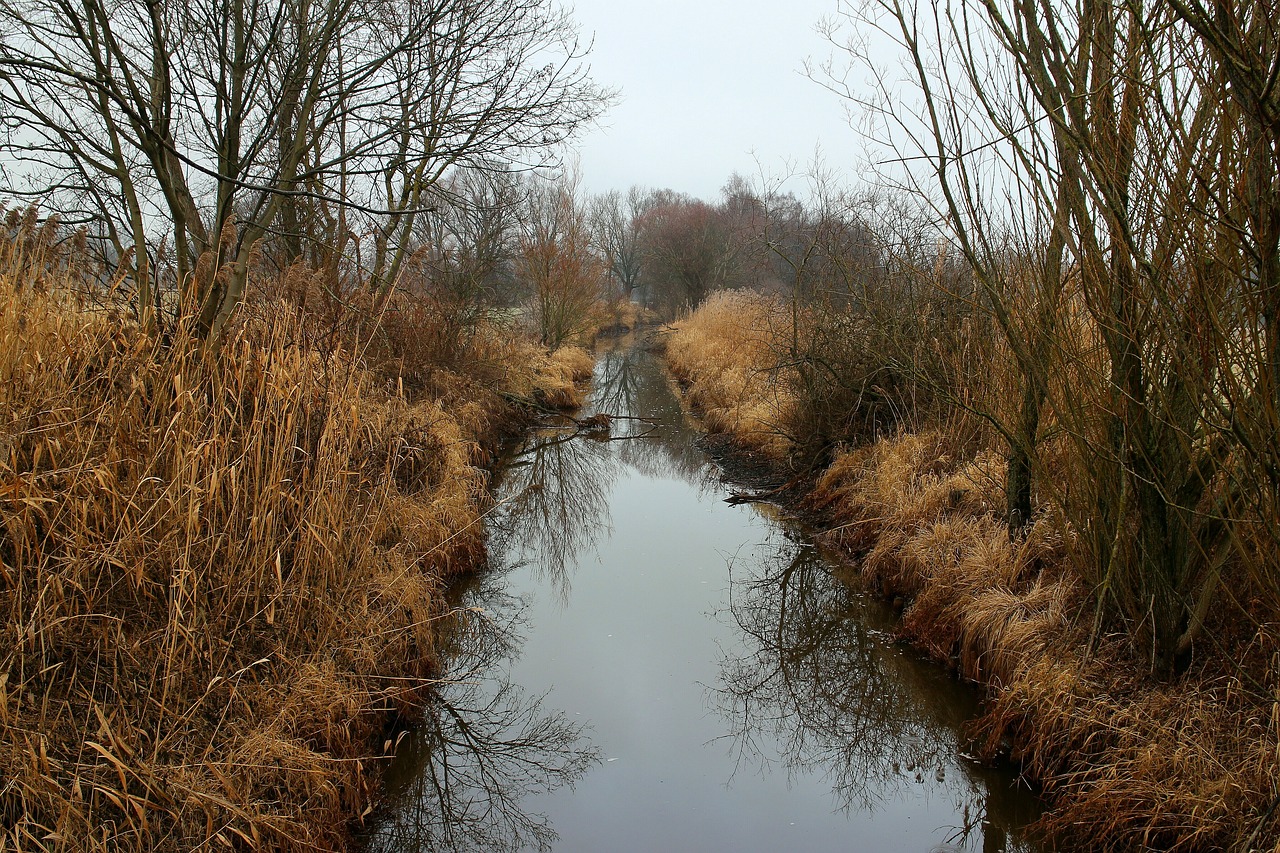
(722, 354)
(622, 315)
(1129, 763)
(929, 536)
(218, 574)
(532, 376)
(562, 376)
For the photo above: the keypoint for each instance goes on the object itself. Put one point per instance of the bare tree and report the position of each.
(616, 219)
(556, 262)
(204, 127)
(1108, 171)
(459, 273)
(689, 251)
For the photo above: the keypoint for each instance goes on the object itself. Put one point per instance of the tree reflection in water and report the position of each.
(554, 505)
(815, 688)
(555, 490)
(632, 382)
(483, 744)
(481, 747)
(807, 683)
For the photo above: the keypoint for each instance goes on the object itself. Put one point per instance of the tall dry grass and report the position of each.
(218, 576)
(1128, 763)
(797, 380)
(723, 354)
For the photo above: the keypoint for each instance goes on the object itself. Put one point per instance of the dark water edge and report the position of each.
(644, 667)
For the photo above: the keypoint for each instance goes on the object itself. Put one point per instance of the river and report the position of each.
(643, 667)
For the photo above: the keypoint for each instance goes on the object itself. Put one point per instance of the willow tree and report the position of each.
(192, 130)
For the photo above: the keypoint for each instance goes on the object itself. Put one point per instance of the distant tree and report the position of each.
(470, 236)
(565, 278)
(690, 251)
(616, 219)
(461, 265)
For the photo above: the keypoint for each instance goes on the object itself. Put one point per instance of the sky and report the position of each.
(709, 88)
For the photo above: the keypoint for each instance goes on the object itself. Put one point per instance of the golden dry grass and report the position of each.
(562, 376)
(621, 315)
(218, 576)
(722, 354)
(1128, 763)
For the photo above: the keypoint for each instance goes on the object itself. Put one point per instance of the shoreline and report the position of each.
(1122, 761)
(221, 577)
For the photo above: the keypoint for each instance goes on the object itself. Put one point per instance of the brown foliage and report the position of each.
(1129, 763)
(557, 264)
(722, 354)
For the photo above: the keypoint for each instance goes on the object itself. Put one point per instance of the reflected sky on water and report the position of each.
(644, 667)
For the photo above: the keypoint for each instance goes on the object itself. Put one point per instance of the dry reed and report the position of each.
(1128, 763)
(722, 356)
(218, 575)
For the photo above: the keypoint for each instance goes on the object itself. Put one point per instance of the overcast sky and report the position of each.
(708, 87)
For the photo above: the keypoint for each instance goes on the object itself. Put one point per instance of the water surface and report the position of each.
(643, 667)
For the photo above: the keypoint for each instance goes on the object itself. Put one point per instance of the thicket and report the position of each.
(245, 398)
(1038, 372)
(1108, 173)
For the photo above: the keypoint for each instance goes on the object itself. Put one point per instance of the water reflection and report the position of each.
(631, 382)
(555, 488)
(555, 504)
(482, 747)
(619, 380)
(811, 696)
(815, 686)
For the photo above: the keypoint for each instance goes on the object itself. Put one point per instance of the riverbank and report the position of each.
(639, 646)
(219, 574)
(1126, 762)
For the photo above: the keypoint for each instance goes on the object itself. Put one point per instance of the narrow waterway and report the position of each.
(646, 668)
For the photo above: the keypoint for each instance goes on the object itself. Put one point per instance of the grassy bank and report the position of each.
(219, 575)
(1127, 762)
(721, 356)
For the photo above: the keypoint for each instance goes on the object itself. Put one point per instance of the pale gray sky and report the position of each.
(704, 85)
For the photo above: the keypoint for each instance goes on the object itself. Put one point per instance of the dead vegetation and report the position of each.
(621, 315)
(219, 577)
(722, 354)
(1127, 761)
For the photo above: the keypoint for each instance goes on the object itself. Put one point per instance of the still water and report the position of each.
(643, 667)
